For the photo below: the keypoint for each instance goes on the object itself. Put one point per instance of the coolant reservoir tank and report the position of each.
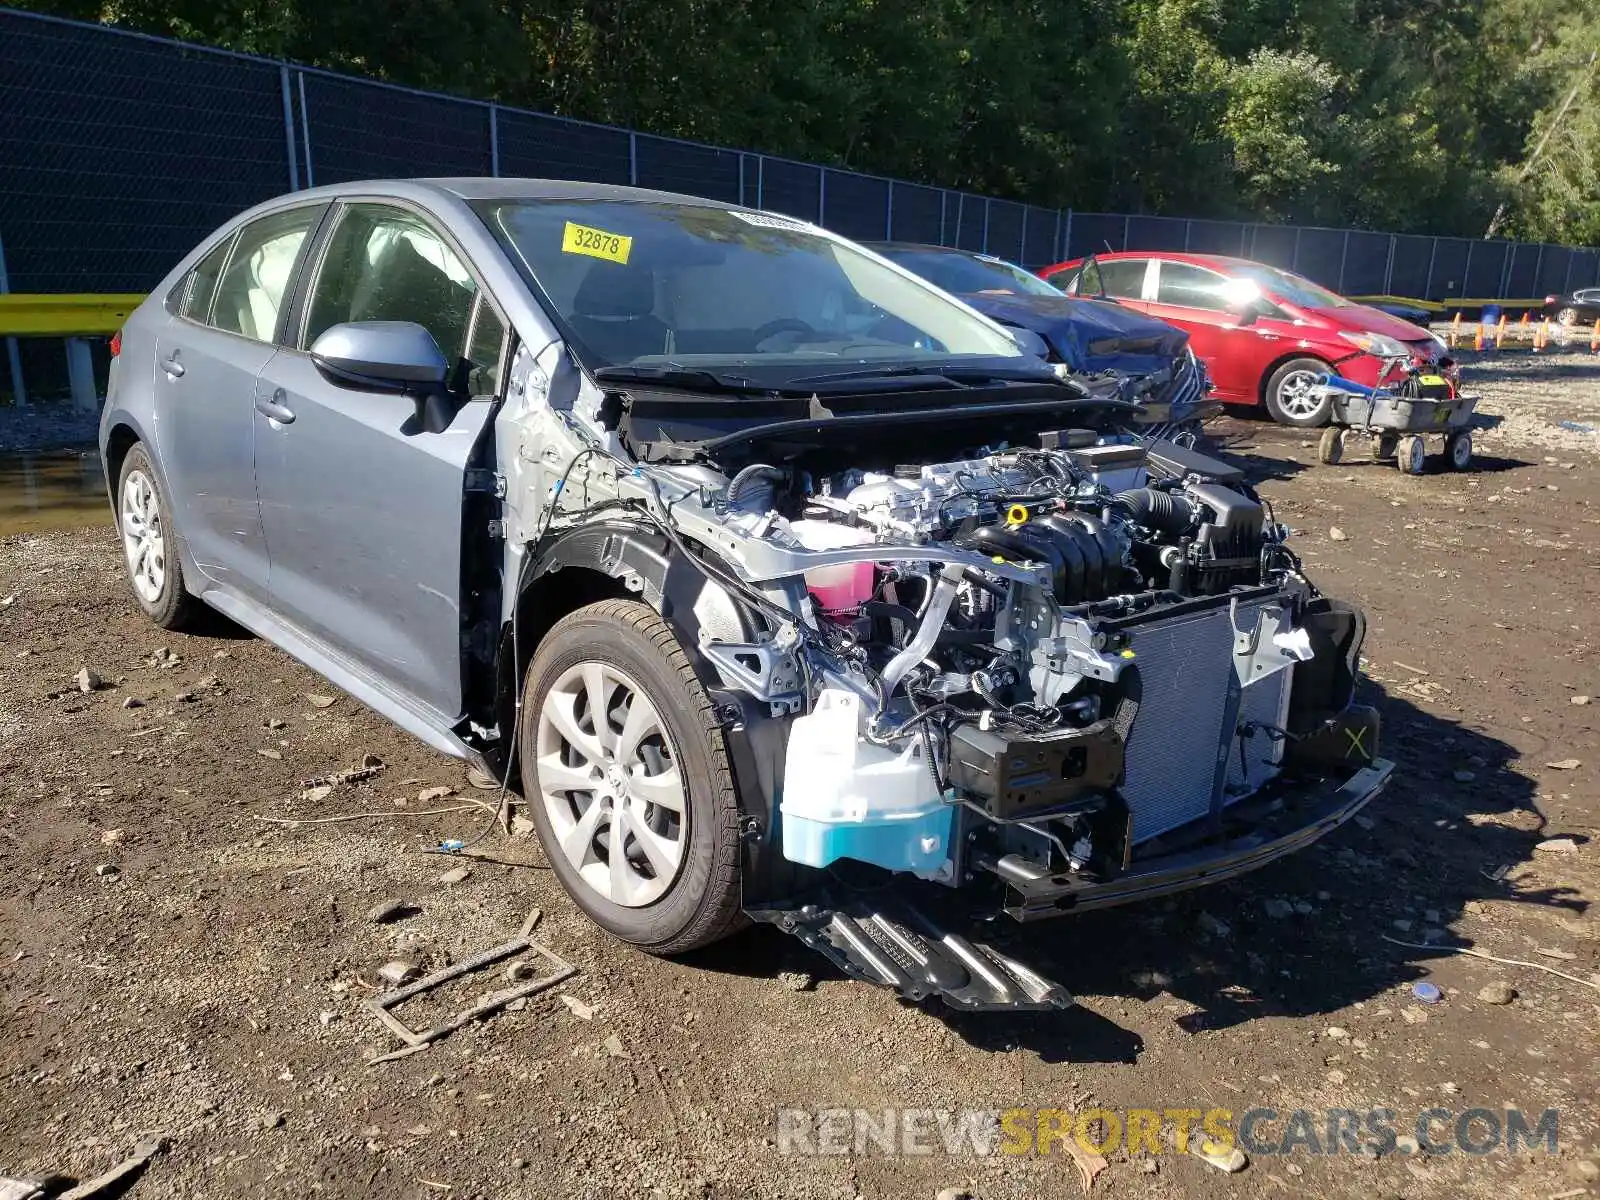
(845, 797)
(842, 588)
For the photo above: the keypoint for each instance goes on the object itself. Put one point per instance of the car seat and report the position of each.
(613, 313)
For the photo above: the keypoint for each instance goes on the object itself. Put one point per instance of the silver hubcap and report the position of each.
(1296, 397)
(143, 538)
(610, 785)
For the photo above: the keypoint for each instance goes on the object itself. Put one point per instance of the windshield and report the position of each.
(1293, 288)
(646, 283)
(971, 274)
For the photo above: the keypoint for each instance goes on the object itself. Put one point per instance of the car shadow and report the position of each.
(1302, 937)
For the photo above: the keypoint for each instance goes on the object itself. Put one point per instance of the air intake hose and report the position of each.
(755, 488)
(1155, 509)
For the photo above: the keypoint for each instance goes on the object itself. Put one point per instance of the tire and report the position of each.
(1286, 401)
(677, 886)
(1383, 446)
(1411, 454)
(1567, 316)
(1330, 449)
(1458, 450)
(149, 545)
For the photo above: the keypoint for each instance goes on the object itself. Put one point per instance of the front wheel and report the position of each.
(1411, 454)
(1458, 449)
(1293, 397)
(149, 547)
(627, 778)
(1331, 447)
(1567, 316)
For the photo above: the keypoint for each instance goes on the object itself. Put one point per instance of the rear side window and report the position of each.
(1121, 277)
(200, 284)
(1189, 286)
(249, 295)
(485, 350)
(386, 264)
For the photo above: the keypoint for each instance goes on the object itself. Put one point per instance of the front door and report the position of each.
(207, 358)
(362, 509)
(1198, 300)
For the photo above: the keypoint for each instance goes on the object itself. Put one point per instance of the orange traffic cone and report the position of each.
(1500, 331)
(1455, 331)
(1538, 337)
(1594, 340)
(1477, 338)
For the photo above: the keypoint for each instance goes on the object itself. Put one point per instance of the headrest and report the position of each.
(615, 291)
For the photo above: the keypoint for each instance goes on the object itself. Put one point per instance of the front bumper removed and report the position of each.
(879, 937)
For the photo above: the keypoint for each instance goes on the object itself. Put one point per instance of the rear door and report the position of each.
(362, 509)
(207, 358)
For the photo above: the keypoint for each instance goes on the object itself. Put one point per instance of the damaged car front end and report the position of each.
(955, 652)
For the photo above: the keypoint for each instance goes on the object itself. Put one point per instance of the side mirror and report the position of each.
(1028, 341)
(389, 356)
(1247, 313)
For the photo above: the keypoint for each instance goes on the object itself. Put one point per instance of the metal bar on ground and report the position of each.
(80, 376)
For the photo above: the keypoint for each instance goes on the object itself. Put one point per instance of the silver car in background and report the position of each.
(769, 568)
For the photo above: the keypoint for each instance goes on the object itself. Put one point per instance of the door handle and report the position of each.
(274, 408)
(172, 366)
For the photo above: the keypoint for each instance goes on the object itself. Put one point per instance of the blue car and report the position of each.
(1104, 345)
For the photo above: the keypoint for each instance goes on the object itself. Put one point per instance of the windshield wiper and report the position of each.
(669, 375)
(953, 374)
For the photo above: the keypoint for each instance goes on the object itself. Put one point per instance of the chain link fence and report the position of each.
(120, 151)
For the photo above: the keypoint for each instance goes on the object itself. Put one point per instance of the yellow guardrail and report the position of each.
(25, 314)
(1442, 306)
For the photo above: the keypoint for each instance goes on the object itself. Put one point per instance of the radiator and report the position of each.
(1178, 739)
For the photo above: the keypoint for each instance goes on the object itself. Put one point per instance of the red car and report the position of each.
(1264, 334)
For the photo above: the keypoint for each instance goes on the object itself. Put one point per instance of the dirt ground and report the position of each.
(174, 960)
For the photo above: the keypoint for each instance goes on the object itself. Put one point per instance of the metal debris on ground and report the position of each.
(1428, 993)
(370, 765)
(419, 1039)
(122, 1173)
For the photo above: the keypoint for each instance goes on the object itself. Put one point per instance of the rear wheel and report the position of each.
(1293, 397)
(1331, 447)
(627, 777)
(1458, 449)
(1383, 445)
(1567, 316)
(149, 547)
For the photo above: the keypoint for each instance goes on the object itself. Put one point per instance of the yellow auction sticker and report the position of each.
(1432, 381)
(596, 243)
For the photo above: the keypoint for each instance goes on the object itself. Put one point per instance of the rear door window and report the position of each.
(1119, 278)
(193, 296)
(250, 292)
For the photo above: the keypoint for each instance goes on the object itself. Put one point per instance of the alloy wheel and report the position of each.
(1296, 395)
(610, 785)
(143, 537)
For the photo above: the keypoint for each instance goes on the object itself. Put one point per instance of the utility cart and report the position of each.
(1397, 417)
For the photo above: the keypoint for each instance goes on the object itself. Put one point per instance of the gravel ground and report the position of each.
(52, 426)
(172, 962)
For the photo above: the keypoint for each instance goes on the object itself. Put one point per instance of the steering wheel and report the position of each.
(772, 329)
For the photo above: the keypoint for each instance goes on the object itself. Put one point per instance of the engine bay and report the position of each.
(964, 670)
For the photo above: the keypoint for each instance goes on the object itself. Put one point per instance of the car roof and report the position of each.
(487, 188)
